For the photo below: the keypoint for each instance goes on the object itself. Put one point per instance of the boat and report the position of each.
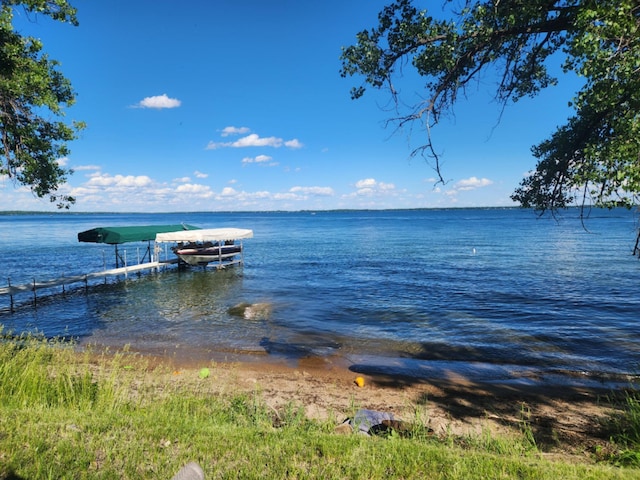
(201, 247)
(202, 254)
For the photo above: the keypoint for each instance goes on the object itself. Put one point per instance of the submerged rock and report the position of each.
(251, 311)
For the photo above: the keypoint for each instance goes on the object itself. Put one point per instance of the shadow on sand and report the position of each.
(515, 396)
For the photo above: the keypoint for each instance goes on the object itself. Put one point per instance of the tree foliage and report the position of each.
(595, 157)
(33, 94)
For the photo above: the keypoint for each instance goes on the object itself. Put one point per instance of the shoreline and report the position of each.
(564, 420)
(405, 370)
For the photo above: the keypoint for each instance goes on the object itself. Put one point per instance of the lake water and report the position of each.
(495, 295)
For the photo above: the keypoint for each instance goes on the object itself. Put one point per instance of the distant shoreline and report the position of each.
(226, 212)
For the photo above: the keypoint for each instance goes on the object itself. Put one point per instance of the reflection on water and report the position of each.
(175, 308)
(197, 293)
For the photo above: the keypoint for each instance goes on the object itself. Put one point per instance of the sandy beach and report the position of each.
(563, 420)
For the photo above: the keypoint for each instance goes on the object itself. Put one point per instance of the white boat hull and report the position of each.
(204, 256)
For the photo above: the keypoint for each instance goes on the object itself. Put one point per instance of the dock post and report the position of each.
(104, 267)
(10, 295)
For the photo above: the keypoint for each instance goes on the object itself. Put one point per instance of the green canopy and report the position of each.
(117, 235)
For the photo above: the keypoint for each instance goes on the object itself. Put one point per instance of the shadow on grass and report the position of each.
(10, 475)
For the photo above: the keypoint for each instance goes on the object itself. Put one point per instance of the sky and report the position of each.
(240, 106)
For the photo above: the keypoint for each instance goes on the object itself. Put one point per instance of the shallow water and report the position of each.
(495, 293)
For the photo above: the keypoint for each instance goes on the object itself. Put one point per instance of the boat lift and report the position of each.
(118, 235)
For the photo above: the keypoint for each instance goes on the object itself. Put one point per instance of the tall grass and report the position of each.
(65, 415)
(625, 430)
(48, 373)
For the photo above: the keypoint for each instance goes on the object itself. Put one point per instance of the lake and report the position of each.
(495, 295)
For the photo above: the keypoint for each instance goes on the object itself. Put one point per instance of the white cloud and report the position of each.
(472, 183)
(366, 183)
(295, 143)
(254, 140)
(63, 161)
(260, 159)
(370, 187)
(320, 191)
(200, 174)
(158, 102)
(86, 167)
(228, 192)
(119, 181)
(285, 196)
(182, 180)
(203, 191)
(226, 131)
(365, 191)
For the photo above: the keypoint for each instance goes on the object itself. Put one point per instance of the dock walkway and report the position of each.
(63, 282)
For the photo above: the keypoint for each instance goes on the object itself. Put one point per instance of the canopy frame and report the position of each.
(137, 233)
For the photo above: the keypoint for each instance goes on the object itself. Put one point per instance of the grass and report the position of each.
(65, 415)
(624, 429)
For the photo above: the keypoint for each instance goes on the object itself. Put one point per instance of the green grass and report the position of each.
(65, 415)
(624, 429)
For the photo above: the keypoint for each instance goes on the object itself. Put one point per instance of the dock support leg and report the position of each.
(10, 296)
(35, 296)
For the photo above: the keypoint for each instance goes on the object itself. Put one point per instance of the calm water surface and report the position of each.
(493, 294)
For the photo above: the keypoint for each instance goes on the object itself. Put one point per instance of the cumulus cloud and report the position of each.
(295, 143)
(203, 191)
(366, 183)
(119, 181)
(109, 192)
(159, 102)
(254, 140)
(200, 174)
(370, 186)
(228, 192)
(472, 183)
(285, 196)
(227, 131)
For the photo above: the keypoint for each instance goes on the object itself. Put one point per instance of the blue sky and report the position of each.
(223, 105)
